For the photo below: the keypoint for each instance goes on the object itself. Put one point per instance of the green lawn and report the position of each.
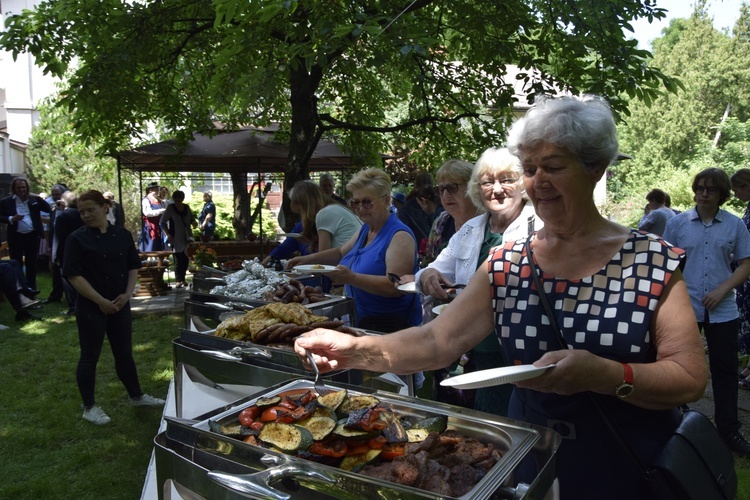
(48, 451)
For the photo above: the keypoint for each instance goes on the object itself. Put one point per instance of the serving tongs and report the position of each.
(238, 353)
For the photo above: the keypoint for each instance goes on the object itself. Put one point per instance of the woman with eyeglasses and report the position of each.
(617, 295)
(452, 178)
(495, 188)
(383, 245)
(741, 186)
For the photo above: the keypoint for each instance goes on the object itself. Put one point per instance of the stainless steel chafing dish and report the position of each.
(204, 311)
(215, 362)
(192, 459)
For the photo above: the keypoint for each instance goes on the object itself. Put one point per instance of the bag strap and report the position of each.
(556, 328)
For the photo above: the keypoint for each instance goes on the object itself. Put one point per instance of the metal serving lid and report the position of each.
(248, 470)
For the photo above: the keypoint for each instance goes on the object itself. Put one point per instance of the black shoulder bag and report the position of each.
(695, 463)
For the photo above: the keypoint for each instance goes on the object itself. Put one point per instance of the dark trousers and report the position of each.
(57, 284)
(71, 294)
(181, 262)
(24, 248)
(92, 326)
(9, 282)
(722, 361)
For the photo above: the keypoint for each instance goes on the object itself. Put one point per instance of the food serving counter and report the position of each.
(199, 458)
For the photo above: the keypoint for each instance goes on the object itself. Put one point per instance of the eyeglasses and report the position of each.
(490, 184)
(452, 188)
(366, 204)
(708, 190)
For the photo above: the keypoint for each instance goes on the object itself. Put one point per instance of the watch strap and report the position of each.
(628, 378)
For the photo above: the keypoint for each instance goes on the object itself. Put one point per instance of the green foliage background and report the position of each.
(224, 211)
(704, 124)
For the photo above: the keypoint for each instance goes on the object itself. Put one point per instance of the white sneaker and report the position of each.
(147, 400)
(3, 327)
(96, 415)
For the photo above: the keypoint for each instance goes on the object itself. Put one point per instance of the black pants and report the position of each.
(24, 248)
(92, 326)
(57, 284)
(181, 262)
(9, 283)
(722, 361)
(71, 294)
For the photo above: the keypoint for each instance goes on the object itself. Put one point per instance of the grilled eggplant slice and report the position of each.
(393, 431)
(342, 431)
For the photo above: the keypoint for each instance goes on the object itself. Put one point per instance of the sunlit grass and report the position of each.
(46, 449)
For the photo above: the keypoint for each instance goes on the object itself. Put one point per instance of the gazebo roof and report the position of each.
(246, 150)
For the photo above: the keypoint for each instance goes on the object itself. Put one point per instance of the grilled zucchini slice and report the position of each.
(289, 438)
(355, 463)
(332, 400)
(320, 424)
(357, 403)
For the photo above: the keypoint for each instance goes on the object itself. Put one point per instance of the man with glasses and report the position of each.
(713, 239)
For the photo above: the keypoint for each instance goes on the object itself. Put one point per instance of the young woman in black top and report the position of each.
(101, 263)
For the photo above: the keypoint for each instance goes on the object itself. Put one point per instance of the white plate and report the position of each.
(314, 268)
(291, 235)
(439, 309)
(495, 376)
(410, 287)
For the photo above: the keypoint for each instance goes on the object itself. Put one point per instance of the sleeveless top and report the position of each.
(608, 314)
(370, 259)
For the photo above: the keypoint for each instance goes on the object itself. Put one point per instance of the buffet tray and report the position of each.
(204, 311)
(216, 466)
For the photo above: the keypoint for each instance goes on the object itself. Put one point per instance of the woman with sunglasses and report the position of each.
(383, 245)
(452, 178)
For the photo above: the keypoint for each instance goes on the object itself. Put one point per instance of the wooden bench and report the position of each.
(151, 276)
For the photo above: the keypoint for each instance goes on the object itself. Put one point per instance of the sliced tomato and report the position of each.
(256, 426)
(336, 448)
(392, 450)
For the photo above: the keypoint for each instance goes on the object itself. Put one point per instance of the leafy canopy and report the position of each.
(426, 72)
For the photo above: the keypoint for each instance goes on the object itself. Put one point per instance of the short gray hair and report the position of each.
(493, 161)
(583, 125)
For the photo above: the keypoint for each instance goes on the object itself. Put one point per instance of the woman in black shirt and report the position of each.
(101, 263)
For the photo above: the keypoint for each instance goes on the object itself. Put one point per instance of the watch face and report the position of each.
(624, 390)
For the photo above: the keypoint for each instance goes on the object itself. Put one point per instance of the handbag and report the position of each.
(695, 463)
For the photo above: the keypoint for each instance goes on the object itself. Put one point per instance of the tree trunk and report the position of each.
(305, 133)
(241, 205)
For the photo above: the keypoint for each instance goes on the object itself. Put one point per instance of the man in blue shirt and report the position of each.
(712, 239)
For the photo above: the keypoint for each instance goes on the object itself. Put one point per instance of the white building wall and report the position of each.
(22, 86)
